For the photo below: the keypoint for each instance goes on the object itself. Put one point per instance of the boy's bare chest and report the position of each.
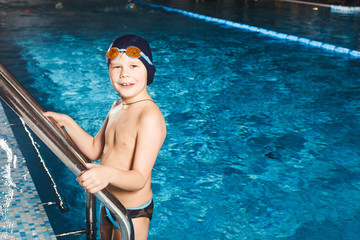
(121, 130)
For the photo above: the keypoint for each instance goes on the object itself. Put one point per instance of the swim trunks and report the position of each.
(145, 210)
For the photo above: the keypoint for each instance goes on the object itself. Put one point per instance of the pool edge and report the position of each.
(22, 213)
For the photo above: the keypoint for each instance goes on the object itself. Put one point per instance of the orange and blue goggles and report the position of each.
(132, 51)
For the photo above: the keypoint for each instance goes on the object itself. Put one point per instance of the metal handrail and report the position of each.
(31, 112)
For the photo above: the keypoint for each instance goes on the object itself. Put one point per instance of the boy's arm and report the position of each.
(91, 146)
(151, 135)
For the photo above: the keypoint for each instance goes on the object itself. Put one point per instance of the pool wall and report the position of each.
(22, 213)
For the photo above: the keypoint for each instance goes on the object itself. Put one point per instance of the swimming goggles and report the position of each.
(133, 52)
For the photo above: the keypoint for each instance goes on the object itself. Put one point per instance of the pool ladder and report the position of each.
(59, 201)
(60, 143)
(90, 230)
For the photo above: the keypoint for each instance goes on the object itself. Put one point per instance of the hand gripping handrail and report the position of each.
(31, 112)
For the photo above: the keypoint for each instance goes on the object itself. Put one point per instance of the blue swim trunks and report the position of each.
(145, 210)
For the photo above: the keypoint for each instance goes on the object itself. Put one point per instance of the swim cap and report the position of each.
(136, 41)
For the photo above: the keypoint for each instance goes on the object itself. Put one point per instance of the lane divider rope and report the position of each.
(270, 33)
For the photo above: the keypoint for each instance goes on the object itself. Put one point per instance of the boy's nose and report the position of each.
(124, 73)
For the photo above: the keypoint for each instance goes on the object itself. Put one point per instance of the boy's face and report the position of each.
(128, 76)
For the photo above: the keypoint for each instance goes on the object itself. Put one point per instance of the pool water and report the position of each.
(262, 133)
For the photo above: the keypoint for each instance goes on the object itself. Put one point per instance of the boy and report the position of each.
(128, 142)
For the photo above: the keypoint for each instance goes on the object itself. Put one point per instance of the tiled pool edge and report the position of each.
(22, 215)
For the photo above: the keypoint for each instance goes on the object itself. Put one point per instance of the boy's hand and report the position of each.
(58, 117)
(95, 178)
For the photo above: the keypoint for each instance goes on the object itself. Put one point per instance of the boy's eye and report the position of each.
(134, 65)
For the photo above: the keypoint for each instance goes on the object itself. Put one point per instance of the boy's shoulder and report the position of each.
(151, 114)
(151, 110)
(116, 103)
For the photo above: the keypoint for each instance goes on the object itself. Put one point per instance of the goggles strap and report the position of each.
(146, 58)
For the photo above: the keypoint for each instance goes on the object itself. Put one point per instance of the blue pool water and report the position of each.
(262, 133)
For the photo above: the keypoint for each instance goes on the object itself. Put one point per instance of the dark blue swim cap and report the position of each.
(136, 41)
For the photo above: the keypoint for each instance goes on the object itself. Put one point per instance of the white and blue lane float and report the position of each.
(266, 32)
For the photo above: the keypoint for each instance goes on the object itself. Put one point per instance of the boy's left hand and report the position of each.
(95, 178)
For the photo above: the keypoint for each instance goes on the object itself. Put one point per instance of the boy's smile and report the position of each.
(126, 84)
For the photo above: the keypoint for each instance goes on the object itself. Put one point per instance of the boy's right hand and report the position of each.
(60, 118)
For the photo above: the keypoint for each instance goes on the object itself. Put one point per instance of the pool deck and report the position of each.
(22, 214)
